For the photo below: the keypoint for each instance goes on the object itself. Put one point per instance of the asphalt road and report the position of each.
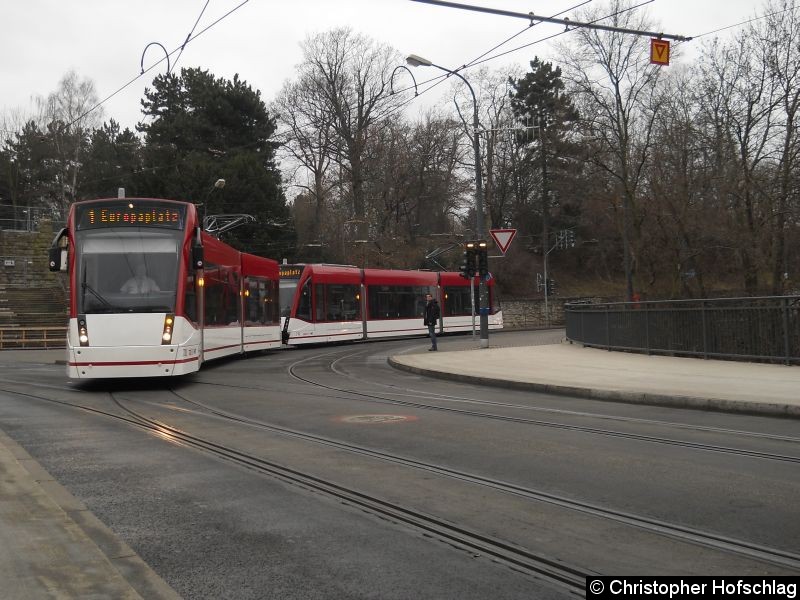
(331, 435)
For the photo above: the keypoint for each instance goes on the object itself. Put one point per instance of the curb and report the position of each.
(145, 582)
(726, 405)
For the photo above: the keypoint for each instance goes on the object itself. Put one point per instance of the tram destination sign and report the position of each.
(290, 270)
(129, 213)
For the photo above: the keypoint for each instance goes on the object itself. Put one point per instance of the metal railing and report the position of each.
(760, 328)
(27, 218)
(32, 337)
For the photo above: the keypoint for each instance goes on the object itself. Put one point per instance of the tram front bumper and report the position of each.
(131, 361)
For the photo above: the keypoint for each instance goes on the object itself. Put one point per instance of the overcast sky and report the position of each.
(103, 40)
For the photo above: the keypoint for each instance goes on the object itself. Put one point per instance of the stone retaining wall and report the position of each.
(529, 313)
(24, 257)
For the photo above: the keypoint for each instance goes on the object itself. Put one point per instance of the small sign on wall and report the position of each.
(8, 262)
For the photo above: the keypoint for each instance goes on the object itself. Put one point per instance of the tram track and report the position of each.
(334, 362)
(394, 390)
(292, 370)
(466, 539)
(560, 411)
(501, 551)
(397, 391)
(686, 534)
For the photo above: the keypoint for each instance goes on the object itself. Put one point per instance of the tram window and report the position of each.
(213, 295)
(342, 303)
(271, 305)
(190, 299)
(396, 301)
(103, 284)
(133, 274)
(457, 301)
(259, 301)
(304, 306)
(110, 258)
(287, 289)
(319, 302)
(233, 305)
(221, 295)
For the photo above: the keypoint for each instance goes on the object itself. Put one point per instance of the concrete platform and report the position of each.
(564, 368)
(51, 546)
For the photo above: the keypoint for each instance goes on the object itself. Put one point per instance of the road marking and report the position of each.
(371, 419)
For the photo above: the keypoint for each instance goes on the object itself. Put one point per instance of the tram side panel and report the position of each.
(334, 303)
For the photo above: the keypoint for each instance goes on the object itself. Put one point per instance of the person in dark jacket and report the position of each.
(431, 319)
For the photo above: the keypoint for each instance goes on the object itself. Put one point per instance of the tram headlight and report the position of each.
(166, 336)
(83, 332)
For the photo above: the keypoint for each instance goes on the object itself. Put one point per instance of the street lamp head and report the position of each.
(418, 61)
(219, 184)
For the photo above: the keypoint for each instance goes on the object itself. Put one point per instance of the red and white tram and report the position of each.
(152, 294)
(336, 303)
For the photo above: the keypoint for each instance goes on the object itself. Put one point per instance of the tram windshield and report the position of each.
(126, 270)
(290, 275)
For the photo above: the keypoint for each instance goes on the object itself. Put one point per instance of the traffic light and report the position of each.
(468, 266)
(551, 287)
(483, 258)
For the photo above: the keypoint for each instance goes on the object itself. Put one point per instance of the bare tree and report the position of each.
(497, 137)
(414, 177)
(617, 95)
(779, 37)
(67, 117)
(737, 114)
(681, 227)
(348, 74)
(308, 129)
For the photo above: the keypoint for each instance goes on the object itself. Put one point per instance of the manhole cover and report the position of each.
(376, 419)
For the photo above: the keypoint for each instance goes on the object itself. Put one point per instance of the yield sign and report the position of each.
(503, 237)
(659, 52)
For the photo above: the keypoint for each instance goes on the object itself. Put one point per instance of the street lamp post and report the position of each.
(418, 61)
(218, 185)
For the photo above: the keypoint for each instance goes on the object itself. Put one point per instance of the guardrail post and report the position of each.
(608, 331)
(785, 311)
(705, 332)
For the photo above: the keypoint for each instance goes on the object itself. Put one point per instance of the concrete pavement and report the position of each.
(52, 546)
(571, 369)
